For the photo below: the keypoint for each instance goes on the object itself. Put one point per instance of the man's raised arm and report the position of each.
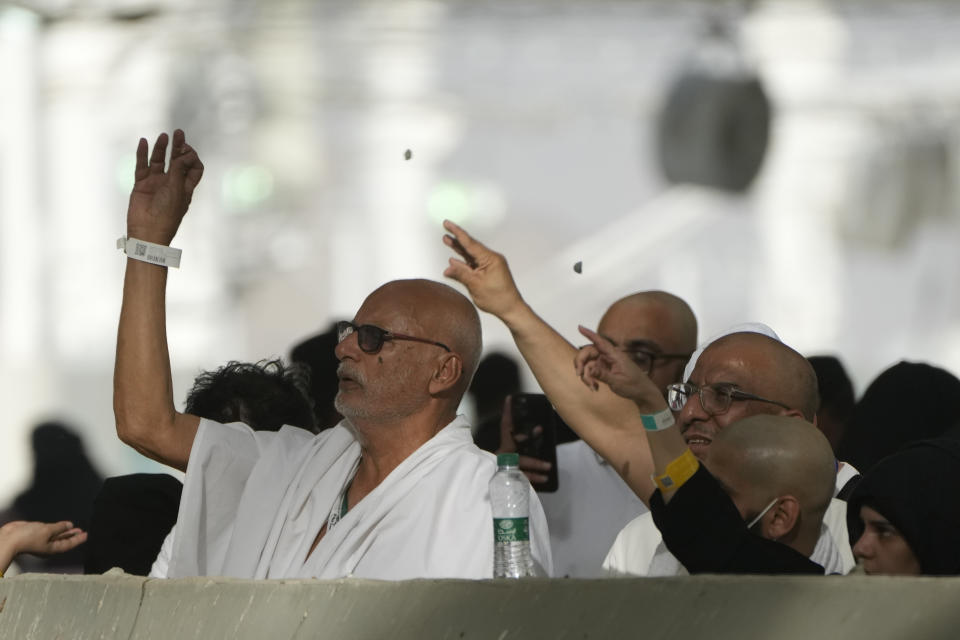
(608, 423)
(142, 387)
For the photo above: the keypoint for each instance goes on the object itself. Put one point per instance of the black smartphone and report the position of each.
(535, 433)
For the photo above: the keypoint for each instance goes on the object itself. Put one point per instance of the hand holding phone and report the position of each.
(529, 423)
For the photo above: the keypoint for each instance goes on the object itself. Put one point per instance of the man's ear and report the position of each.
(792, 413)
(782, 518)
(796, 413)
(447, 374)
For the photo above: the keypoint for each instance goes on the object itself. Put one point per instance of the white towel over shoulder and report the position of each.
(253, 502)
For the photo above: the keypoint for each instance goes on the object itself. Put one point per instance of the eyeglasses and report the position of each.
(646, 360)
(370, 338)
(714, 398)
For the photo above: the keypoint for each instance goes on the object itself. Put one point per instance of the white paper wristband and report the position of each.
(144, 251)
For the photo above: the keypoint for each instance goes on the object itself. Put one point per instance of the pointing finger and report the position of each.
(603, 345)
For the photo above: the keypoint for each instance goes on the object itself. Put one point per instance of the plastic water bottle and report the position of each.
(510, 498)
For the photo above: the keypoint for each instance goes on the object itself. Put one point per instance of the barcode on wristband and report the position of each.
(144, 251)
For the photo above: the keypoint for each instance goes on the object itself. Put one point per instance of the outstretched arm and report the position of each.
(37, 537)
(607, 422)
(142, 387)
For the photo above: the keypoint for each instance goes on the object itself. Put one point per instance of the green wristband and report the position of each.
(658, 421)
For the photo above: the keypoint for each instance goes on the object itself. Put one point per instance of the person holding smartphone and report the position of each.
(592, 503)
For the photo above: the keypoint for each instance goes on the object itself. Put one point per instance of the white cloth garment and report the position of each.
(253, 503)
(639, 549)
(845, 473)
(591, 505)
(161, 566)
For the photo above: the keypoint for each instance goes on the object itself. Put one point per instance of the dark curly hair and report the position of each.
(264, 395)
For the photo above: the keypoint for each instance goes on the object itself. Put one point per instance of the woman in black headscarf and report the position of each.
(64, 486)
(904, 516)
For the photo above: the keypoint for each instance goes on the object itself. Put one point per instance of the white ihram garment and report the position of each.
(253, 503)
(590, 507)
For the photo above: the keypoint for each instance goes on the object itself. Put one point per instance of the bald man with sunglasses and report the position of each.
(396, 491)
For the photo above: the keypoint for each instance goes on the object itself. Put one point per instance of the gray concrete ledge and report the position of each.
(37, 606)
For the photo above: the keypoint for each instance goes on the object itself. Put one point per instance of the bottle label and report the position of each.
(511, 530)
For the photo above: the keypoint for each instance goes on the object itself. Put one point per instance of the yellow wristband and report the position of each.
(678, 472)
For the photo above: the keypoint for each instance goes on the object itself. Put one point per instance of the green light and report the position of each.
(123, 173)
(246, 187)
(449, 201)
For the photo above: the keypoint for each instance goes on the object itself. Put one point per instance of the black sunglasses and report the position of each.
(370, 337)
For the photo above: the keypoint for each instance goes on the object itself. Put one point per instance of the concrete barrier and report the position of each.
(720, 607)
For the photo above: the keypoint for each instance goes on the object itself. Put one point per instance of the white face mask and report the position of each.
(762, 513)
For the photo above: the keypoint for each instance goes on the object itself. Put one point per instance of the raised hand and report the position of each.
(160, 197)
(601, 361)
(483, 272)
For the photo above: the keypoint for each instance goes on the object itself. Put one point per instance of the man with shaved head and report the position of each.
(592, 503)
(396, 491)
(658, 331)
(738, 375)
(781, 381)
(605, 421)
(765, 377)
(760, 487)
(768, 462)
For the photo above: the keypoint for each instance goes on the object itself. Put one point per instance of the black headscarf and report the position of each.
(131, 517)
(908, 402)
(917, 491)
(64, 486)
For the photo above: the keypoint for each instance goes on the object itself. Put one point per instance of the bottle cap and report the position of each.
(508, 459)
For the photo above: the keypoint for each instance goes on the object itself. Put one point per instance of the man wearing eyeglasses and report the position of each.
(396, 491)
(755, 502)
(592, 503)
(781, 383)
(759, 380)
(607, 422)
